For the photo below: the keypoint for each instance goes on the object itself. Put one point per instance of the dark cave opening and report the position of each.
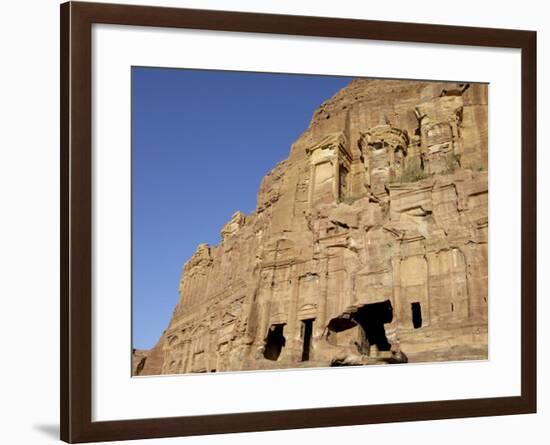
(275, 342)
(372, 318)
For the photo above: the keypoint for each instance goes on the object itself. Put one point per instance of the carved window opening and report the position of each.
(372, 318)
(416, 315)
(275, 342)
(452, 307)
(307, 331)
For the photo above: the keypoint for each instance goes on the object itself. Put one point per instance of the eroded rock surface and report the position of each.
(368, 244)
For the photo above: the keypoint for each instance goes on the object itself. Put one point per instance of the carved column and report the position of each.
(336, 182)
(265, 308)
(434, 291)
(397, 301)
(311, 185)
(320, 321)
(293, 333)
(185, 356)
(427, 313)
(264, 303)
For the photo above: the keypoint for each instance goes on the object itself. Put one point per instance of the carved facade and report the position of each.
(368, 244)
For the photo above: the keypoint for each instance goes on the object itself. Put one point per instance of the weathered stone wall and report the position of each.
(368, 244)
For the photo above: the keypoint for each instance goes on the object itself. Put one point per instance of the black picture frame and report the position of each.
(76, 221)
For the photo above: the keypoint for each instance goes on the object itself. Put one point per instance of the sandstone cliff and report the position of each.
(368, 244)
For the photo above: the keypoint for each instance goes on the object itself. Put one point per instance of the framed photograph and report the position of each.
(276, 222)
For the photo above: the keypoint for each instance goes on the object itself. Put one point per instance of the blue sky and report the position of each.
(201, 143)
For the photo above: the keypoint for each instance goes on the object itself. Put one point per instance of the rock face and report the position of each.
(368, 244)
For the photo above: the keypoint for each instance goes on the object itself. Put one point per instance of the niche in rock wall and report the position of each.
(275, 342)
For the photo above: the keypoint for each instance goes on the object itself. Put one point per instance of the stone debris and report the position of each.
(368, 244)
